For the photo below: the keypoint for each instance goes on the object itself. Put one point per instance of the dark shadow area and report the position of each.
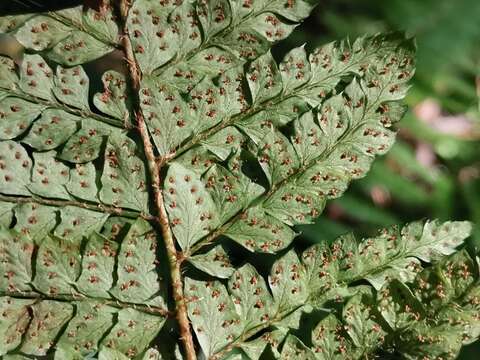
(27, 6)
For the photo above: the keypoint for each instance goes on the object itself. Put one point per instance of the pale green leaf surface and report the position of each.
(398, 305)
(294, 349)
(224, 143)
(214, 16)
(77, 223)
(78, 48)
(6, 214)
(71, 86)
(49, 176)
(151, 35)
(86, 144)
(41, 32)
(256, 347)
(15, 320)
(83, 182)
(116, 227)
(258, 231)
(15, 261)
(15, 166)
(81, 336)
(214, 262)
(123, 178)
(113, 100)
(329, 340)
(264, 79)
(58, 266)
(362, 324)
(10, 23)
(20, 114)
(52, 129)
(251, 297)
(47, 322)
(98, 266)
(295, 69)
(137, 279)
(212, 314)
(190, 207)
(36, 77)
(136, 330)
(35, 220)
(70, 36)
(110, 354)
(230, 191)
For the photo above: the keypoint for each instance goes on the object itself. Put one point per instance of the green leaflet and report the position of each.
(14, 169)
(49, 176)
(69, 37)
(66, 90)
(212, 314)
(20, 113)
(15, 319)
(398, 306)
(16, 253)
(123, 178)
(48, 316)
(121, 183)
(246, 30)
(256, 224)
(195, 207)
(264, 79)
(83, 182)
(172, 120)
(308, 155)
(191, 208)
(71, 86)
(34, 328)
(91, 274)
(83, 331)
(98, 266)
(76, 223)
(137, 279)
(58, 266)
(85, 145)
(6, 214)
(113, 100)
(216, 45)
(50, 111)
(324, 273)
(215, 262)
(53, 128)
(398, 318)
(35, 220)
(137, 330)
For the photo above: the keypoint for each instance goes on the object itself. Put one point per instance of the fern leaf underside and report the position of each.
(246, 148)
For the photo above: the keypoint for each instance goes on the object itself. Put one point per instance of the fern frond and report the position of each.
(398, 321)
(226, 318)
(101, 285)
(70, 37)
(205, 137)
(307, 156)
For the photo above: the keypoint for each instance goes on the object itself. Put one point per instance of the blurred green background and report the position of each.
(433, 171)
